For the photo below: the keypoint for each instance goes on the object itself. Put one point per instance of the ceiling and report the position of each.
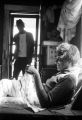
(34, 2)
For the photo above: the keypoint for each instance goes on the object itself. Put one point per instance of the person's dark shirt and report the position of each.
(60, 90)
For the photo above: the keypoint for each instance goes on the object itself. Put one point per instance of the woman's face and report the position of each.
(62, 65)
(62, 60)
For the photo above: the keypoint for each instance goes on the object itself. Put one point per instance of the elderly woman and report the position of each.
(57, 91)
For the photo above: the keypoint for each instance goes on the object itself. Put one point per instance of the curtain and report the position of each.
(69, 17)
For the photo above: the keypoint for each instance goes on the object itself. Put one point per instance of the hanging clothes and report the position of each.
(69, 17)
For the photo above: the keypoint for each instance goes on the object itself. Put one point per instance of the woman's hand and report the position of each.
(31, 70)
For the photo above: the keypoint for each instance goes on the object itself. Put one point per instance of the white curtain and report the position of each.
(69, 17)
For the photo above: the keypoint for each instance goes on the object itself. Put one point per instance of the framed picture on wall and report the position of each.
(51, 55)
(50, 52)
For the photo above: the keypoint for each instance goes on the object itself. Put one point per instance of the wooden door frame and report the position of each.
(6, 32)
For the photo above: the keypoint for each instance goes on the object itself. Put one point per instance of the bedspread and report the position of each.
(21, 92)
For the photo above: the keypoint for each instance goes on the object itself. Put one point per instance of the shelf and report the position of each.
(50, 43)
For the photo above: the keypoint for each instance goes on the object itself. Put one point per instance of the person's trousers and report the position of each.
(20, 64)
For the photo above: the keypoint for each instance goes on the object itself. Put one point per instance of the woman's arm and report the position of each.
(42, 95)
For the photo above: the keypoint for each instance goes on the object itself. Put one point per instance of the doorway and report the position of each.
(32, 24)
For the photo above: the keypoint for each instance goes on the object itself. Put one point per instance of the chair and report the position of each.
(77, 98)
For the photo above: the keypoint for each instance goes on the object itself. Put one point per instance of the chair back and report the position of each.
(77, 98)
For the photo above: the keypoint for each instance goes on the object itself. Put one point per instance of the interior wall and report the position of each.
(1, 36)
(50, 18)
(1, 31)
(77, 40)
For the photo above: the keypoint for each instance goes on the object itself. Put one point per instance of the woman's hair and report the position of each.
(68, 52)
(20, 23)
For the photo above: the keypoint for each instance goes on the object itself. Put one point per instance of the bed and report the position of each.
(17, 112)
(12, 108)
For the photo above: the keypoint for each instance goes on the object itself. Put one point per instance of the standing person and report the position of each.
(24, 49)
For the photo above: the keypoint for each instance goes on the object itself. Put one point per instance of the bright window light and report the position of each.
(30, 26)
